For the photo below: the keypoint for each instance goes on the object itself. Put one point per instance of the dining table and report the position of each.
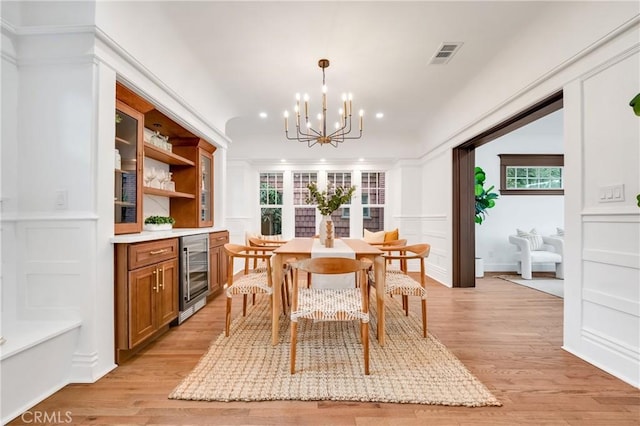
(301, 248)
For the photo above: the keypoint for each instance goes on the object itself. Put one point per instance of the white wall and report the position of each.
(511, 212)
(602, 304)
(436, 207)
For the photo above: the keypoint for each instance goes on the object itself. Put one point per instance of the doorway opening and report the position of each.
(464, 240)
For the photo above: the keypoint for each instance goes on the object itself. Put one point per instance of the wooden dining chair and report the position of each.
(267, 246)
(398, 282)
(396, 267)
(250, 282)
(340, 304)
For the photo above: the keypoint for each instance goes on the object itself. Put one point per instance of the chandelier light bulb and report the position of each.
(297, 96)
(306, 97)
(319, 116)
(286, 114)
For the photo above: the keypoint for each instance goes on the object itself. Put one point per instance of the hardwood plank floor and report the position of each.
(509, 336)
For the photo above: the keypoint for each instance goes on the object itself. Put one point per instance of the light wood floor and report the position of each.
(509, 336)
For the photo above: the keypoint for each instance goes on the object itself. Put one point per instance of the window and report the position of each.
(531, 174)
(271, 189)
(305, 215)
(341, 223)
(373, 200)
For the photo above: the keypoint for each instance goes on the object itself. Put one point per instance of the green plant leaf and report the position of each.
(159, 220)
(635, 104)
(484, 198)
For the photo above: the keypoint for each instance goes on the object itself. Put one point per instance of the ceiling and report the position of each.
(260, 54)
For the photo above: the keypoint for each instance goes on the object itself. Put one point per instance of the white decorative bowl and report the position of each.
(158, 227)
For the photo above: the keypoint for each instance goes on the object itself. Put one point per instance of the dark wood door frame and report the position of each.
(464, 231)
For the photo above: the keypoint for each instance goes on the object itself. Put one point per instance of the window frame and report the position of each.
(532, 161)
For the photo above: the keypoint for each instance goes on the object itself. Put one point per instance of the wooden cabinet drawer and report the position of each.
(148, 253)
(218, 238)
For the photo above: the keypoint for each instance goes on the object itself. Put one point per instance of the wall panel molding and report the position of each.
(610, 257)
(628, 306)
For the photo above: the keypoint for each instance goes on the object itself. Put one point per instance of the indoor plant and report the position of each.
(159, 223)
(326, 203)
(485, 199)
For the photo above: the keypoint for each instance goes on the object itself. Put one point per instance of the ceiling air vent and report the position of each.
(445, 52)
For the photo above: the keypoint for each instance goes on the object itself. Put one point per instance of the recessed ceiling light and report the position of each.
(360, 159)
(263, 115)
(379, 114)
(282, 160)
(322, 160)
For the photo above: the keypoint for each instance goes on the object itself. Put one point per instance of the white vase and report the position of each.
(323, 228)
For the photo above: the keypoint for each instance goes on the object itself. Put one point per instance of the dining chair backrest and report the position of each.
(330, 265)
(391, 243)
(414, 251)
(247, 253)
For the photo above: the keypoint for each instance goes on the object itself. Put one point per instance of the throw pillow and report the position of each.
(535, 240)
(560, 232)
(373, 237)
(391, 235)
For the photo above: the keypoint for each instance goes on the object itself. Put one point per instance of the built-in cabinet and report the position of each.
(127, 197)
(147, 287)
(188, 159)
(194, 212)
(217, 260)
(147, 292)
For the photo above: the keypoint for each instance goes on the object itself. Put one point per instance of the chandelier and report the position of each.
(319, 135)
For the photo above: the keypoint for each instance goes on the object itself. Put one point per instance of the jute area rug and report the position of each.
(329, 365)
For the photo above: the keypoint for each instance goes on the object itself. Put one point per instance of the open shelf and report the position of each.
(164, 193)
(167, 157)
(124, 141)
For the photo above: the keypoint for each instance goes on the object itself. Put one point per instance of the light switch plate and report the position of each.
(611, 193)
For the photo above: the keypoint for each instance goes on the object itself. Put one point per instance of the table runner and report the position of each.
(339, 249)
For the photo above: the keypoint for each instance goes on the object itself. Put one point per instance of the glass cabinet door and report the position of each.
(128, 145)
(206, 183)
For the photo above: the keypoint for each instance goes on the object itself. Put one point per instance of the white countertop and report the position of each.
(160, 235)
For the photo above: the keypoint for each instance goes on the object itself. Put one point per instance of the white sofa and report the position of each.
(551, 252)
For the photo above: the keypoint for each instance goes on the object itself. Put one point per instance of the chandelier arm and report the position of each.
(342, 129)
(301, 136)
(310, 135)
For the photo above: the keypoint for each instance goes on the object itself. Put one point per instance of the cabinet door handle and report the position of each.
(158, 251)
(155, 287)
(162, 285)
(157, 281)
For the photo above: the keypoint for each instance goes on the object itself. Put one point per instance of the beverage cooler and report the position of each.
(194, 274)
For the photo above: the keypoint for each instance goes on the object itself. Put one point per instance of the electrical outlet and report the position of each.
(61, 200)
